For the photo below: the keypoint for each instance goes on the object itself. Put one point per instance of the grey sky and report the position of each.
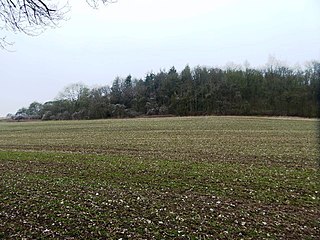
(138, 36)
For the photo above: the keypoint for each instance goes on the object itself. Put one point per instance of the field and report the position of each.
(160, 178)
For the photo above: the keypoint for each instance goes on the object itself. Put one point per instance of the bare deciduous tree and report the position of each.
(33, 16)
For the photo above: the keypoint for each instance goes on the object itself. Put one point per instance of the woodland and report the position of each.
(271, 91)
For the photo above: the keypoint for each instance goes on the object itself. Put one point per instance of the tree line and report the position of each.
(272, 91)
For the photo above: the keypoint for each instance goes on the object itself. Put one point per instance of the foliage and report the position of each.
(274, 91)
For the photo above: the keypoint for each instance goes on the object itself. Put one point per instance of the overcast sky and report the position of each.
(138, 36)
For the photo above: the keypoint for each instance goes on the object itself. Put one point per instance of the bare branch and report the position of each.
(95, 3)
(4, 44)
(32, 17)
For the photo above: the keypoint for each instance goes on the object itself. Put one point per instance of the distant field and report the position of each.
(160, 178)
